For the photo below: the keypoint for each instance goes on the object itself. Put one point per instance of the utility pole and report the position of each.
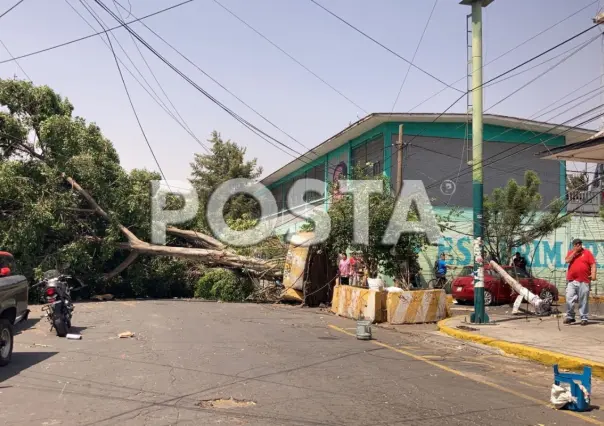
(399, 163)
(479, 316)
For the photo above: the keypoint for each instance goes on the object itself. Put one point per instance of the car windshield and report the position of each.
(466, 271)
(6, 261)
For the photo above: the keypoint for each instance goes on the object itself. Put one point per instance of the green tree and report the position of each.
(43, 221)
(226, 161)
(393, 261)
(577, 182)
(513, 216)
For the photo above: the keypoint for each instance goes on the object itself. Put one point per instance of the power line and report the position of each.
(528, 146)
(265, 136)
(318, 77)
(419, 43)
(156, 98)
(16, 62)
(508, 52)
(218, 83)
(568, 40)
(503, 74)
(543, 73)
(95, 34)
(545, 61)
(411, 64)
(155, 77)
(11, 8)
(117, 63)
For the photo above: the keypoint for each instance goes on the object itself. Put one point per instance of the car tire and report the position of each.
(488, 298)
(547, 295)
(6, 335)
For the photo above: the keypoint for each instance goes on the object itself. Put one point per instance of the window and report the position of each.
(317, 172)
(370, 152)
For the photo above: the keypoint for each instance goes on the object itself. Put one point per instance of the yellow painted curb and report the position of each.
(592, 299)
(542, 356)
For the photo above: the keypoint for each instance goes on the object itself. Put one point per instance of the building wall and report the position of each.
(431, 160)
(545, 257)
(437, 151)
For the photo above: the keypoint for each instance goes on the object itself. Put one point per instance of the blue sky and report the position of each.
(273, 84)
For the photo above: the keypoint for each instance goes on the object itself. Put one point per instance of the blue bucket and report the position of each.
(573, 380)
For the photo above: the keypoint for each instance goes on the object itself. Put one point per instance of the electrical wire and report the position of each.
(364, 34)
(501, 75)
(150, 91)
(265, 136)
(67, 43)
(16, 62)
(11, 8)
(508, 52)
(153, 74)
(219, 84)
(419, 43)
(318, 77)
(117, 63)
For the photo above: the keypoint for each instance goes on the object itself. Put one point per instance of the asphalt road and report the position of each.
(290, 366)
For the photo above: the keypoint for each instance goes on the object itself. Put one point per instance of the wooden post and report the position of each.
(399, 161)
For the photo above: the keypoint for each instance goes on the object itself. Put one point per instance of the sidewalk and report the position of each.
(543, 339)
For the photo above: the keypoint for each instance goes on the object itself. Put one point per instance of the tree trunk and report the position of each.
(220, 257)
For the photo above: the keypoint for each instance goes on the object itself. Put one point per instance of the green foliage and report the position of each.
(513, 216)
(47, 225)
(577, 182)
(225, 285)
(393, 261)
(226, 162)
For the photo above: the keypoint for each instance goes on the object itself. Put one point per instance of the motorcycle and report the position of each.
(59, 308)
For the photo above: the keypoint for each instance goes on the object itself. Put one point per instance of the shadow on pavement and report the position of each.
(76, 330)
(22, 361)
(24, 325)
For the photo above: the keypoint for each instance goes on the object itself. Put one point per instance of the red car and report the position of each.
(496, 291)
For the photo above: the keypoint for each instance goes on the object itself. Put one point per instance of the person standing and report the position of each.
(440, 269)
(519, 261)
(581, 271)
(344, 269)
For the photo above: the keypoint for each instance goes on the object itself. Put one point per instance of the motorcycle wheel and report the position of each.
(60, 325)
(6, 338)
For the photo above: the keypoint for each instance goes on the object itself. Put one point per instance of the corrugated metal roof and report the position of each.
(367, 123)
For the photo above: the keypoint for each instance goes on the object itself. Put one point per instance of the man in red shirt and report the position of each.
(581, 271)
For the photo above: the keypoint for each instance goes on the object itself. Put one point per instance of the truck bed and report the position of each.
(14, 291)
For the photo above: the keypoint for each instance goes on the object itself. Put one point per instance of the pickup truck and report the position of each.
(14, 291)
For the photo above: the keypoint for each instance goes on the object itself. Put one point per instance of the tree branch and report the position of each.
(129, 235)
(197, 237)
(122, 266)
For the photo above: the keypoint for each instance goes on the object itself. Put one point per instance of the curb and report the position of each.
(542, 356)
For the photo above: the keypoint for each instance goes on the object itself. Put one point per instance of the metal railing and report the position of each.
(584, 201)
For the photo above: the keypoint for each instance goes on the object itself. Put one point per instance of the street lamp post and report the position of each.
(479, 316)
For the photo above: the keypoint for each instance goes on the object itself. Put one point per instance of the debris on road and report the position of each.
(126, 335)
(225, 403)
(74, 336)
(103, 297)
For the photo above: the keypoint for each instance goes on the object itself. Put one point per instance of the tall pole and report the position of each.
(399, 165)
(479, 315)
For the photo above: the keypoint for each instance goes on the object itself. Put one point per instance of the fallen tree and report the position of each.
(212, 257)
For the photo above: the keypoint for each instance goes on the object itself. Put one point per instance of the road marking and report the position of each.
(476, 379)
